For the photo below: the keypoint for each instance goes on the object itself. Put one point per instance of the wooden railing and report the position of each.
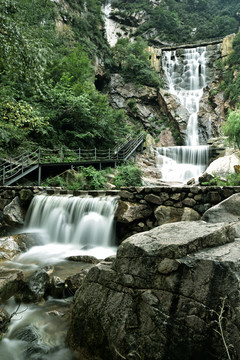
(13, 169)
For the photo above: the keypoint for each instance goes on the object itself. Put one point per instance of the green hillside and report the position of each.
(175, 21)
(50, 53)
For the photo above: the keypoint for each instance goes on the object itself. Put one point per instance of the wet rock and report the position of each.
(16, 244)
(11, 282)
(74, 282)
(4, 320)
(8, 248)
(33, 348)
(174, 110)
(83, 258)
(57, 287)
(26, 195)
(14, 214)
(155, 300)
(36, 287)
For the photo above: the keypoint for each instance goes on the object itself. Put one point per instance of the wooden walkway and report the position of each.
(16, 168)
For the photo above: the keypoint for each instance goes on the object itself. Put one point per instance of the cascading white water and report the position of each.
(69, 224)
(84, 221)
(186, 80)
(111, 27)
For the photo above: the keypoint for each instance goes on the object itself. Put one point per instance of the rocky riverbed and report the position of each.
(159, 298)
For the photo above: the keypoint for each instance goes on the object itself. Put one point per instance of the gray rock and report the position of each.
(128, 212)
(169, 214)
(4, 320)
(36, 286)
(11, 281)
(16, 244)
(14, 214)
(155, 300)
(227, 211)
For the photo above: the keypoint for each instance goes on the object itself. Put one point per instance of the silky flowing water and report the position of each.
(64, 226)
(186, 80)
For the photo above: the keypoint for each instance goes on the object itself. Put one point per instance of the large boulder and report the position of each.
(14, 213)
(13, 245)
(160, 297)
(226, 211)
(223, 165)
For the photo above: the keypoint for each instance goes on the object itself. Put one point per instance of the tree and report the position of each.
(23, 57)
(132, 61)
(232, 128)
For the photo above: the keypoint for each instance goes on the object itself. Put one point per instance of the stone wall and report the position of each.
(140, 208)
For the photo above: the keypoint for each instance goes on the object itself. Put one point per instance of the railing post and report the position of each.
(61, 154)
(95, 153)
(109, 153)
(22, 164)
(117, 152)
(39, 155)
(39, 175)
(79, 154)
(3, 174)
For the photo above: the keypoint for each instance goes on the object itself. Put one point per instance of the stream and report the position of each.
(65, 226)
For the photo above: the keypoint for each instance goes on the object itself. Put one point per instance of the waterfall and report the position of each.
(186, 79)
(112, 28)
(69, 224)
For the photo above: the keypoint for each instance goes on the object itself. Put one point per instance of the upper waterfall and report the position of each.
(112, 28)
(186, 78)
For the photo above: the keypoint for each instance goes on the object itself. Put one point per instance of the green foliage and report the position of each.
(231, 74)
(128, 175)
(24, 56)
(87, 178)
(175, 21)
(232, 128)
(47, 77)
(22, 115)
(231, 179)
(132, 61)
(95, 179)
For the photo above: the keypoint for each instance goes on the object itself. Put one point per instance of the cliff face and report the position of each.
(159, 112)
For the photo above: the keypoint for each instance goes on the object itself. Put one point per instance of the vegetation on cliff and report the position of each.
(230, 84)
(179, 21)
(47, 76)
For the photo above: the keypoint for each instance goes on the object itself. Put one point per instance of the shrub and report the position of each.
(95, 179)
(232, 128)
(128, 175)
(231, 179)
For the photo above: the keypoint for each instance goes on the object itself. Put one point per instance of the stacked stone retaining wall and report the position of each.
(140, 208)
